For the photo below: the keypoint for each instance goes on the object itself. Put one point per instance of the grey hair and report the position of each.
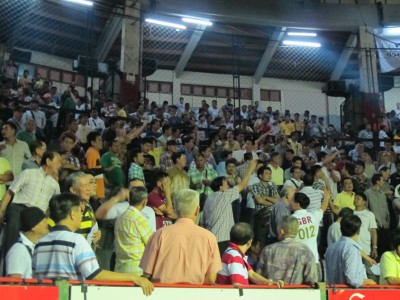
(289, 224)
(186, 202)
(286, 190)
(137, 195)
(72, 180)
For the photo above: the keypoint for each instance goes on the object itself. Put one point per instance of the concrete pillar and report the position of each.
(176, 88)
(367, 61)
(256, 92)
(130, 51)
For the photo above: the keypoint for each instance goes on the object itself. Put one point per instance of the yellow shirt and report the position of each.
(345, 200)
(156, 153)
(4, 167)
(286, 128)
(390, 266)
(277, 175)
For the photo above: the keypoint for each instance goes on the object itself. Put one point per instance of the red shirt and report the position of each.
(155, 200)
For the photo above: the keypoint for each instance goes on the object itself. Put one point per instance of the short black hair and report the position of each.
(345, 211)
(248, 156)
(11, 124)
(48, 155)
(135, 152)
(60, 206)
(241, 233)
(175, 156)
(375, 178)
(92, 136)
(261, 170)
(350, 225)
(302, 199)
(35, 145)
(315, 169)
(217, 183)
(308, 179)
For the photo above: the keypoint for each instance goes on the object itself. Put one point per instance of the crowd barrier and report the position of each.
(15, 289)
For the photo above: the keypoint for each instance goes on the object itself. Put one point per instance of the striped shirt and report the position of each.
(62, 254)
(88, 221)
(16, 155)
(315, 196)
(235, 268)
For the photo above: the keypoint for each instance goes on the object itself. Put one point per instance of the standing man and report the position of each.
(113, 168)
(309, 221)
(160, 200)
(343, 258)
(165, 159)
(132, 232)
(13, 150)
(34, 187)
(177, 174)
(160, 261)
(218, 215)
(265, 194)
(378, 206)
(345, 198)
(202, 176)
(93, 160)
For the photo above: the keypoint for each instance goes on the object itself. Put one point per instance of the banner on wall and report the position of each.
(163, 293)
(366, 294)
(388, 43)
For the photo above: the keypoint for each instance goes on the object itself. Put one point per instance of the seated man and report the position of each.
(390, 262)
(64, 254)
(288, 260)
(343, 259)
(19, 258)
(235, 268)
(198, 261)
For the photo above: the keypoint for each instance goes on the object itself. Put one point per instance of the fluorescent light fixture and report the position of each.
(391, 31)
(302, 34)
(197, 21)
(164, 23)
(84, 2)
(300, 43)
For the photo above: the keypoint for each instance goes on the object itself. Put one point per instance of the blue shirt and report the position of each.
(344, 264)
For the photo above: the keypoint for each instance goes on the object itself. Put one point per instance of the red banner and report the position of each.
(366, 294)
(11, 292)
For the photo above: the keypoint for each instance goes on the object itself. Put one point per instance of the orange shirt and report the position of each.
(93, 162)
(181, 253)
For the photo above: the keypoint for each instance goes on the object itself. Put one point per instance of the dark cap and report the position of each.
(30, 217)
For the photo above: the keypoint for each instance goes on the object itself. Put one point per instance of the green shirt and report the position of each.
(115, 176)
(25, 136)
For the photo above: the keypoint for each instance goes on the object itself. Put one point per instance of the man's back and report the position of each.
(289, 261)
(344, 264)
(183, 252)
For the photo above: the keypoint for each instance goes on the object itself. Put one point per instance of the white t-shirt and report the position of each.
(334, 233)
(119, 208)
(18, 258)
(308, 229)
(367, 222)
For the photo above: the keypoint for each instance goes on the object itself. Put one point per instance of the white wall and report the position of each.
(297, 96)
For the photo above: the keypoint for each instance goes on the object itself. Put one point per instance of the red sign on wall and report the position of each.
(363, 294)
(11, 292)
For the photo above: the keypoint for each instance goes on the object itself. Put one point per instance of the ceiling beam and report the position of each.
(110, 33)
(278, 13)
(344, 57)
(269, 52)
(189, 49)
(60, 33)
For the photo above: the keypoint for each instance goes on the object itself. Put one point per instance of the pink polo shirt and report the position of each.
(181, 253)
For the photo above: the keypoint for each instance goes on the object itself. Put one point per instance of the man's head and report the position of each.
(115, 146)
(385, 172)
(287, 193)
(138, 197)
(200, 161)
(350, 226)
(360, 168)
(347, 184)
(299, 201)
(296, 173)
(264, 174)
(230, 166)
(65, 208)
(30, 125)
(276, 158)
(38, 148)
(186, 204)
(345, 211)
(137, 156)
(158, 179)
(378, 180)
(68, 142)
(78, 184)
(288, 227)
(51, 160)
(34, 220)
(8, 130)
(94, 140)
(242, 234)
(360, 201)
(219, 184)
(179, 159)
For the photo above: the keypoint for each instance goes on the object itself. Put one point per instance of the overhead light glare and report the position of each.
(299, 43)
(84, 2)
(391, 31)
(197, 21)
(164, 23)
(302, 34)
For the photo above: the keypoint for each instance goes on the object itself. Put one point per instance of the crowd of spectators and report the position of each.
(170, 193)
